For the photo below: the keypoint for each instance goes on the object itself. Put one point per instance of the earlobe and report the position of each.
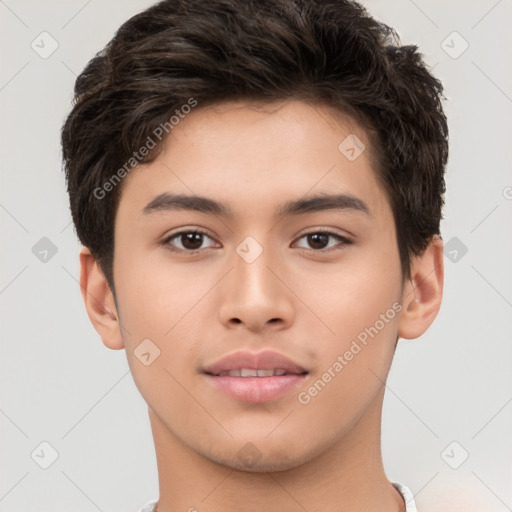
(423, 292)
(99, 301)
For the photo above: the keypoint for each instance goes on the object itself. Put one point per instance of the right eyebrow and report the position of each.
(167, 201)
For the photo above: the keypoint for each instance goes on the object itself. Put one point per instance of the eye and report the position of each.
(189, 241)
(319, 240)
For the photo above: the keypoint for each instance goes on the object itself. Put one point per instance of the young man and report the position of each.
(258, 187)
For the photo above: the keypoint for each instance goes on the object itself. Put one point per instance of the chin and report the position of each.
(253, 458)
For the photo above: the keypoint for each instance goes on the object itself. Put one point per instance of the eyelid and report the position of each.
(330, 231)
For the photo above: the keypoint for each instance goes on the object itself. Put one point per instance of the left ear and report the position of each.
(423, 292)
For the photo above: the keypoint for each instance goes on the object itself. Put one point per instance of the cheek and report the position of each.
(352, 364)
(355, 297)
(154, 295)
(160, 303)
(361, 306)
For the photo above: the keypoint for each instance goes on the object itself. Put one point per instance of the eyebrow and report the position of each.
(317, 203)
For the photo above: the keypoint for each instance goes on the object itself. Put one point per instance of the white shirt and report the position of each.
(410, 505)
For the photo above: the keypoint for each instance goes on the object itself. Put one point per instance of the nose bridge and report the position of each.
(253, 295)
(251, 274)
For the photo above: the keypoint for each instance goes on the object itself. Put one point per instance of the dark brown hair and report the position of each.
(331, 52)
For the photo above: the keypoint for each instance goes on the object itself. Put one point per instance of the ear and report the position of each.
(423, 291)
(99, 301)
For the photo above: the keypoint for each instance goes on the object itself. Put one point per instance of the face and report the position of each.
(292, 261)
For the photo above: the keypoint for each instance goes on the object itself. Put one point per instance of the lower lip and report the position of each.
(256, 389)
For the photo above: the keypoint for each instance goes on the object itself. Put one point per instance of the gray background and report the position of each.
(449, 393)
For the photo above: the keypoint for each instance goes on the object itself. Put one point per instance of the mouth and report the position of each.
(251, 372)
(260, 377)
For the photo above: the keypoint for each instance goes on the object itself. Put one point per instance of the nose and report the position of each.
(254, 295)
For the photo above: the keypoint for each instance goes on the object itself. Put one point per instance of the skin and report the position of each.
(297, 298)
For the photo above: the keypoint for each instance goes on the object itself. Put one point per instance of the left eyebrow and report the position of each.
(323, 202)
(317, 203)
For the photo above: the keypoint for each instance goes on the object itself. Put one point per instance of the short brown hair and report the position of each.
(327, 51)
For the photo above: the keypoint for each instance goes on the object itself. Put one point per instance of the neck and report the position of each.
(348, 475)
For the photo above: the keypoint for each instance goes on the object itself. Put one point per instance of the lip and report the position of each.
(266, 360)
(255, 389)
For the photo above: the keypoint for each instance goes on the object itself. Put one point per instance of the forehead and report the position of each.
(249, 155)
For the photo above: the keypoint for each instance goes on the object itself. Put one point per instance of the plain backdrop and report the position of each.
(447, 414)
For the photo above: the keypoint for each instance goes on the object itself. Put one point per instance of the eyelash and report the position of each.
(344, 240)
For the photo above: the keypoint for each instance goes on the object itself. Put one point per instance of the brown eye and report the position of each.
(319, 240)
(186, 241)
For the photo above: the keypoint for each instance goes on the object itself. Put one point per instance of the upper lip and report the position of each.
(266, 360)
